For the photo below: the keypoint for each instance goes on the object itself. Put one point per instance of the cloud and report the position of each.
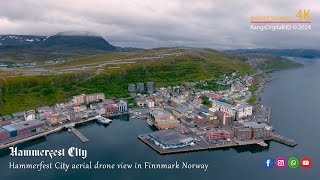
(216, 24)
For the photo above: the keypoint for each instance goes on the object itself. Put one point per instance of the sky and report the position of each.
(217, 24)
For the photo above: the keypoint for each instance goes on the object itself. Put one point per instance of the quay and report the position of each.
(2, 146)
(196, 147)
(79, 135)
(203, 146)
(283, 140)
(57, 129)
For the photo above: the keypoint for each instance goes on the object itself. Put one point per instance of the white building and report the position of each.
(150, 103)
(243, 111)
(237, 112)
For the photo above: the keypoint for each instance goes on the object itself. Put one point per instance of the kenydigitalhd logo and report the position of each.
(268, 163)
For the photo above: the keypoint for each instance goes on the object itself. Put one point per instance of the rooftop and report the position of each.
(168, 136)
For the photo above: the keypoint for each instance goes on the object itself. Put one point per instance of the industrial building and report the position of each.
(170, 139)
(21, 130)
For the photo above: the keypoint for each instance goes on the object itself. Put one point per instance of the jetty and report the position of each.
(283, 140)
(198, 146)
(205, 146)
(79, 135)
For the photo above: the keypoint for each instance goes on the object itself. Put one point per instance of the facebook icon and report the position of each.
(268, 163)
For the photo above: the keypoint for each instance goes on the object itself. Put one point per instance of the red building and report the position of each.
(218, 134)
(199, 119)
(110, 108)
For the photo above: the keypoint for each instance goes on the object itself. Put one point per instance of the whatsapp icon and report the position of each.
(293, 162)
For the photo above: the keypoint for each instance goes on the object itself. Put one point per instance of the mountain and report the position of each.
(54, 43)
(304, 53)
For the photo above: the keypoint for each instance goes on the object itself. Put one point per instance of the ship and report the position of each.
(103, 120)
(150, 122)
(262, 143)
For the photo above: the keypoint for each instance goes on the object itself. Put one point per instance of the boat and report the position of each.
(69, 130)
(150, 122)
(262, 143)
(103, 120)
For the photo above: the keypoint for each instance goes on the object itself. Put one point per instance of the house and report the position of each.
(19, 115)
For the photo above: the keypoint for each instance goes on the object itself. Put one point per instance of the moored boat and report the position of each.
(103, 120)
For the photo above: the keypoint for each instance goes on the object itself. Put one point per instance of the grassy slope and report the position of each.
(23, 93)
(277, 63)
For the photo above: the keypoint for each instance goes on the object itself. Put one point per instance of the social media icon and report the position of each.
(293, 162)
(281, 162)
(305, 162)
(268, 163)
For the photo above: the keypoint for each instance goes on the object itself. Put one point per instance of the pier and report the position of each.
(197, 147)
(283, 140)
(203, 146)
(79, 135)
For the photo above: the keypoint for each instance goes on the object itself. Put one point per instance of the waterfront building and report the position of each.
(243, 133)
(132, 88)
(167, 139)
(163, 119)
(122, 105)
(259, 131)
(218, 135)
(21, 130)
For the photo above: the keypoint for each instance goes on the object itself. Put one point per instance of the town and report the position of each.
(193, 116)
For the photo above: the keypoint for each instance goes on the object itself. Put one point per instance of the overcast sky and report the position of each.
(217, 24)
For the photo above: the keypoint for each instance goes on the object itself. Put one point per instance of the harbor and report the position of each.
(203, 146)
(69, 126)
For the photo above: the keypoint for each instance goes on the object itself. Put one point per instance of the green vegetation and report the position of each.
(211, 85)
(274, 63)
(253, 88)
(206, 102)
(252, 99)
(29, 92)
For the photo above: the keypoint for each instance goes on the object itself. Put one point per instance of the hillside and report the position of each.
(111, 73)
(268, 63)
(304, 53)
(27, 92)
(39, 49)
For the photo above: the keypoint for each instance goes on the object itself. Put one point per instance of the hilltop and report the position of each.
(39, 49)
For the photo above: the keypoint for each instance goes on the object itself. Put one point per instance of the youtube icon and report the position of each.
(305, 162)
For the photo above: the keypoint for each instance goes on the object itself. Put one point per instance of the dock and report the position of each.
(79, 135)
(283, 140)
(197, 147)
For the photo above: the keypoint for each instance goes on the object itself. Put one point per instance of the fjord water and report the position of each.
(294, 98)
